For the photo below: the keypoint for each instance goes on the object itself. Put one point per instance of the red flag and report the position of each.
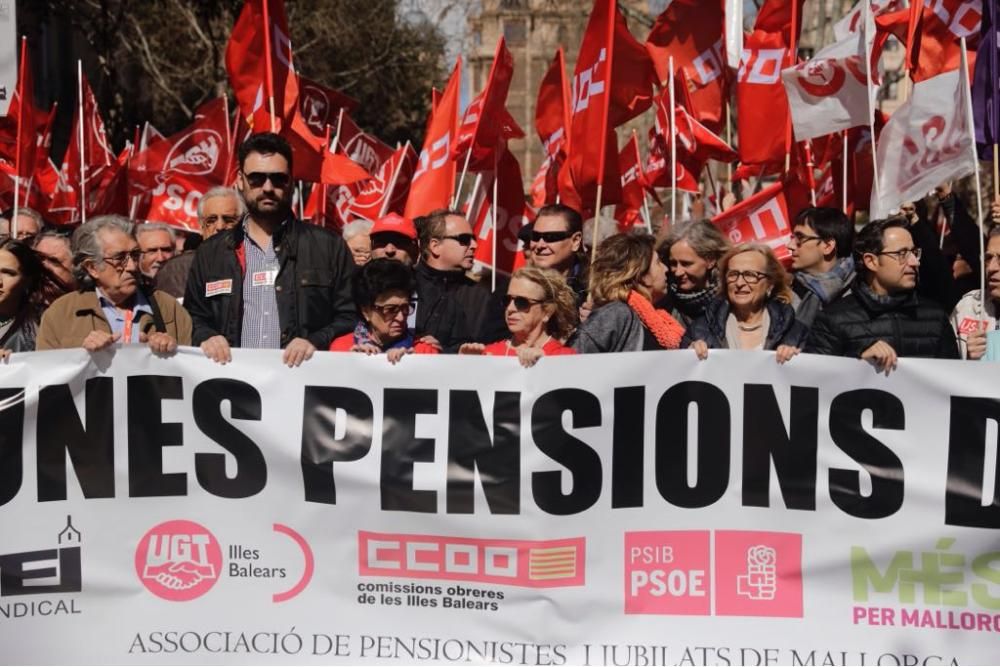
(657, 171)
(366, 149)
(629, 212)
(320, 106)
(434, 180)
(512, 213)
(257, 72)
(486, 126)
(88, 136)
(552, 111)
(382, 194)
(170, 176)
(763, 118)
(763, 218)
(612, 83)
(23, 105)
(931, 32)
(341, 170)
(692, 32)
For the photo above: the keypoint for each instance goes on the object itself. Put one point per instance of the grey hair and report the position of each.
(34, 215)
(147, 227)
(221, 191)
(87, 244)
(356, 228)
(57, 234)
(704, 238)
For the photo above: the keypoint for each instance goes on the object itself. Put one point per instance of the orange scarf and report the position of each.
(665, 329)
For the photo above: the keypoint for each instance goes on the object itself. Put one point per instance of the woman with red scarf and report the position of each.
(628, 278)
(382, 291)
(540, 314)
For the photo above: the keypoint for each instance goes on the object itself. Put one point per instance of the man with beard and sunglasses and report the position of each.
(272, 281)
(452, 307)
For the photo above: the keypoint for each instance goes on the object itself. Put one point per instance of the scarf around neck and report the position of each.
(827, 286)
(665, 329)
(363, 336)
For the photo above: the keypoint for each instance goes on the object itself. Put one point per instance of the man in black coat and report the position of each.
(882, 318)
(272, 281)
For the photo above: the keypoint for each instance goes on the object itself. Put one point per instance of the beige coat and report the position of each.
(72, 316)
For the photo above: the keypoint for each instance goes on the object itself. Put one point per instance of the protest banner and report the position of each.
(626, 509)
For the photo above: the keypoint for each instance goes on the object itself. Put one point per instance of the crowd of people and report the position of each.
(257, 277)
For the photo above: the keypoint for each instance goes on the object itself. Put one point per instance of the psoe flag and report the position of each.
(925, 143)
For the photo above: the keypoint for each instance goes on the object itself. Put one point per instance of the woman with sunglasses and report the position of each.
(628, 278)
(540, 311)
(20, 282)
(382, 290)
(753, 310)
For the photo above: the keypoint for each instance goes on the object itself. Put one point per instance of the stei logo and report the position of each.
(178, 560)
(44, 571)
(755, 574)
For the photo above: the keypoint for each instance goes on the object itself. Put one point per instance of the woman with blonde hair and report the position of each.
(753, 309)
(540, 312)
(628, 278)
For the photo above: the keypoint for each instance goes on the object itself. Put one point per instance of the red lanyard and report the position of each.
(127, 334)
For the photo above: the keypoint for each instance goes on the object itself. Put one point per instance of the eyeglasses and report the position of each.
(119, 261)
(256, 179)
(550, 237)
(521, 303)
(989, 258)
(229, 220)
(749, 277)
(902, 255)
(461, 239)
(390, 311)
(804, 238)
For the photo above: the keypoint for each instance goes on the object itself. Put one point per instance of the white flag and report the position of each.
(829, 93)
(9, 46)
(734, 32)
(926, 142)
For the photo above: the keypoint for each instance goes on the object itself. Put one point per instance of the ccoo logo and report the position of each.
(196, 153)
(178, 560)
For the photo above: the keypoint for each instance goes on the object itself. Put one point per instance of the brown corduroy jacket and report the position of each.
(72, 316)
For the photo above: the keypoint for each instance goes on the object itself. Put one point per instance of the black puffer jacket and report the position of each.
(912, 325)
(455, 309)
(313, 286)
(784, 329)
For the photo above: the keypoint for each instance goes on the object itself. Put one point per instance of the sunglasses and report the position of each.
(256, 179)
(521, 303)
(461, 239)
(550, 237)
(390, 311)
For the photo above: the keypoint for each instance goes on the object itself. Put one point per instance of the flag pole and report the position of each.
(642, 178)
(323, 192)
(964, 74)
(83, 155)
(673, 145)
(302, 206)
(229, 136)
(336, 137)
(872, 93)
(267, 62)
(593, 236)
(608, 70)
(387, 198)
(17, 142)
(843, 175)
(493, 207)
(461, 178)
(729, 140)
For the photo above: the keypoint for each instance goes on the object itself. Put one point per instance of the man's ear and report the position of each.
(577, 241)
(870, 261)
(828, 247)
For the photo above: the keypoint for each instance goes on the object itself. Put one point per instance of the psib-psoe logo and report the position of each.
(756, 573)
(527, 563)
(178, 560)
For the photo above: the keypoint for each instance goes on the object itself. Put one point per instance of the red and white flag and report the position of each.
(829, 92)
(926, 142)
(628, 213)
(852, 21)
(612, 83)
(512, 213)
(763, 218)
(692, 32)
(434, 179)
(486, 125)
(931, 32)
(257, 74)
(552, 113)
(320, 106)
(366, 149)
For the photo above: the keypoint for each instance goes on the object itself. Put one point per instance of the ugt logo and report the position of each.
(178, 560)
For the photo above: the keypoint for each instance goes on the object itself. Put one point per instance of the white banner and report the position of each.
(9, 46)
(626, 509)
(926, 142)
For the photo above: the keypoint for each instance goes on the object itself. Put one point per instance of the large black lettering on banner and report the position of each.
(964, 501)
(401, 449)
(321, 447)
(11, 443)
(91, 449)
(251, 469)
(470, 450)
(579, 459)
(148, 435)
